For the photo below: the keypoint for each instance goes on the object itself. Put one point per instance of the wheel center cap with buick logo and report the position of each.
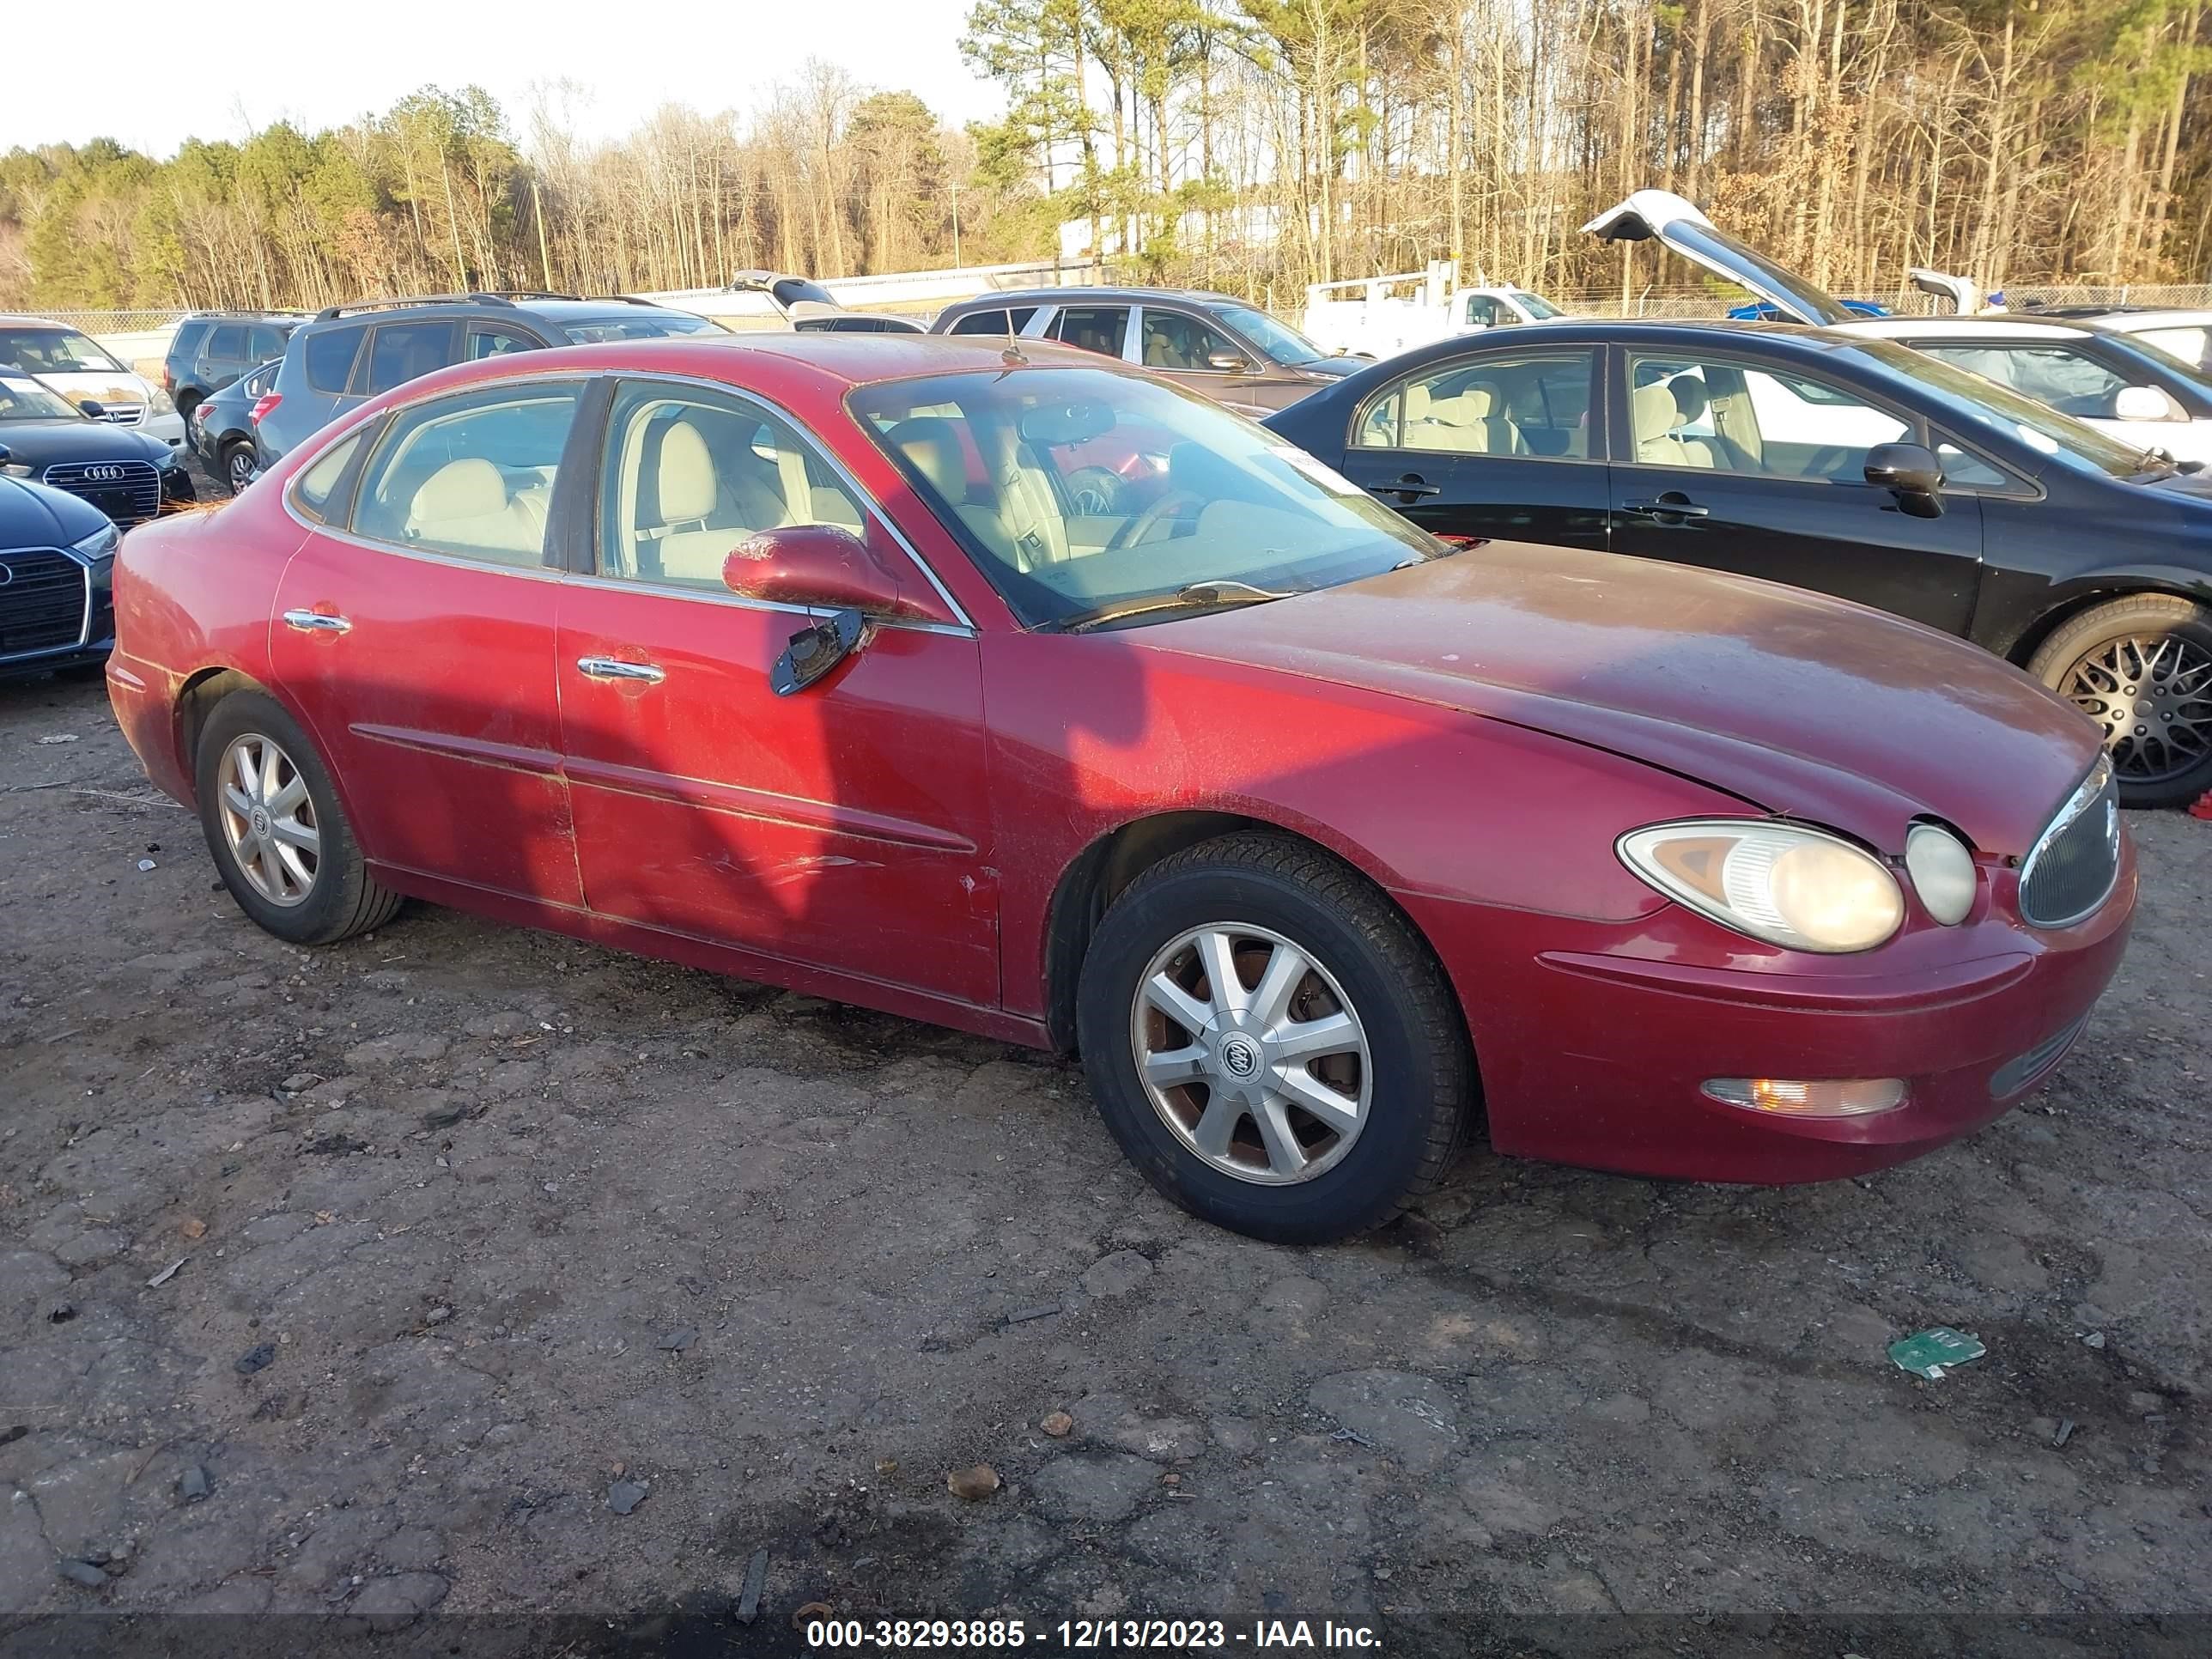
(260, 822)
(1240, 1057)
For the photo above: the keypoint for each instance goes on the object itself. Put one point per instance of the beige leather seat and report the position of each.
(932, 444)
(1658, 418)
(701, 521)
(465, 505)
(1474, 423)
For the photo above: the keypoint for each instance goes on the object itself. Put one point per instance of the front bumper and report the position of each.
(1594, 1046)
(169, 429)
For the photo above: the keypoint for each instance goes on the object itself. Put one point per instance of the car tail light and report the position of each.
(262, 404)
(1784, 1097)
(169, 381)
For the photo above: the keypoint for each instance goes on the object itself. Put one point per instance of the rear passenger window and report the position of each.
(981, 322)
(1495, 405)
(400, 352)
(330, 358)
(497, 342)
(262, 344)
(472, 475)
(189, 335)
(228, 343)
(1095, 328)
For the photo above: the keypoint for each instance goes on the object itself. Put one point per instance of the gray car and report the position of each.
(349, 354)
(1226, 348)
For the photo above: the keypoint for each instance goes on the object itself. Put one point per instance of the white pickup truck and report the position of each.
(1383, 316)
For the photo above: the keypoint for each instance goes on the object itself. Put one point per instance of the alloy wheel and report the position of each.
(1251, 1053)
(240, 469)
(2152, 692)
(269, 820)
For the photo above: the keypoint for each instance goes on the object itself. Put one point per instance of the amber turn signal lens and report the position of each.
(1784, 1097)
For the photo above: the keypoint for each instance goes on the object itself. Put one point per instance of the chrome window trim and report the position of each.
(2087, 794)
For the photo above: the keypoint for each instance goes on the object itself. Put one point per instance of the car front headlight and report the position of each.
(1943, 870)
(161, 402)
(1803, 888)
(18, 470)
(100, 545)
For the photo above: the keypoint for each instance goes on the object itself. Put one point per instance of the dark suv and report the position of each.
(1232, 351)
(349, 354)
(213, 348)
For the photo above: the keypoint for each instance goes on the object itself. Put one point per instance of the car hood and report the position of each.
(32, 515)
(1802, 704)
(43, 443)
(105, 386)
(1660, 214)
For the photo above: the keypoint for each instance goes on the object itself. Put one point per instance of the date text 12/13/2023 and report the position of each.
(1084, 1635)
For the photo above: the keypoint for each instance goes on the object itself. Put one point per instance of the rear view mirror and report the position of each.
(2141, 403)
(1066, 423)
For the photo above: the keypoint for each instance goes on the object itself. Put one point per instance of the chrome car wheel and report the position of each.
(239, 469)
(2153, 694)
(1251, 1053)
(267, 820)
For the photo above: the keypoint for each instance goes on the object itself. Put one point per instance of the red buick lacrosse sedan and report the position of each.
(1029, 694)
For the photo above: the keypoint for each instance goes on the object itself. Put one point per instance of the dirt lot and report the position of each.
(481, 1230)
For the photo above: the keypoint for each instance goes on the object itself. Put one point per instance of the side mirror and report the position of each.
(1229, 363)
(6, 455)
(1908, 469)
(2142, 403)
(93, 409)
(821, 565)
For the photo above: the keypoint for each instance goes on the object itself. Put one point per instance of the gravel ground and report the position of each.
(486, 1237)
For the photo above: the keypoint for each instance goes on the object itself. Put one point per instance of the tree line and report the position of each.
(1259, 144)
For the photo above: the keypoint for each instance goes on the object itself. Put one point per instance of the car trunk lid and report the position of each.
(1662, 216)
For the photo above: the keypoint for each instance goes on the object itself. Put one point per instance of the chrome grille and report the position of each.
(127, 491)
(42, 602)
(122, 414)
(2077, 860)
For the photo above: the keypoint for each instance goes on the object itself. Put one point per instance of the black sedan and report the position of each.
(222, 426)
(129, 476)
(1825, 460)
(56, 561)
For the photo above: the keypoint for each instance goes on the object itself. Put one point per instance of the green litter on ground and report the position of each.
(1930, 1352)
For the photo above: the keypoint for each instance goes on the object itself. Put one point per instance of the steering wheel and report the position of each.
(1145, 522)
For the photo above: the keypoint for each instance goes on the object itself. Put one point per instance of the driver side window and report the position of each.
(690, 474)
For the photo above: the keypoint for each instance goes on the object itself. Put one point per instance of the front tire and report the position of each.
(280, 838)
(2142, 668)
(1314, 1096)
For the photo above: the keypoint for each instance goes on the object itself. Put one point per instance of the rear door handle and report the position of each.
(317, 621)
(1410, 487)
(614, 668)
(1664, 508)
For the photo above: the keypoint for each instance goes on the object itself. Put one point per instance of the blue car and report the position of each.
(56, 565)
(1760, 312)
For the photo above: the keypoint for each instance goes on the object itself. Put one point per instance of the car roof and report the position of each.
(2130, 320)
(1995, 328)
(1077, 295)
(24, 320)
(550, 308)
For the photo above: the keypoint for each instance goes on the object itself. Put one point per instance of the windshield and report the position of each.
(639, 325)
(1078, 490)
(1536, 306)
(26, 400)
(54, 351)
(1986, 404)
(1284, 344)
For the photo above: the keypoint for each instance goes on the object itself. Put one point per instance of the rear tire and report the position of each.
(2142, 668)
(280, 838)
(240, 465)
(1356, 1023)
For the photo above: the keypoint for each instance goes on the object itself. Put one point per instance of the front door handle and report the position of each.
(614, 668)
(1412, 487)
(317, 621)
(1669, 506)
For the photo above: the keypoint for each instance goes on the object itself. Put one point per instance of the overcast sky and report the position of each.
(154, 75)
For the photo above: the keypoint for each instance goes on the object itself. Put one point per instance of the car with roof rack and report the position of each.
(1215, 343)
(211, 349)
(345, 355)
